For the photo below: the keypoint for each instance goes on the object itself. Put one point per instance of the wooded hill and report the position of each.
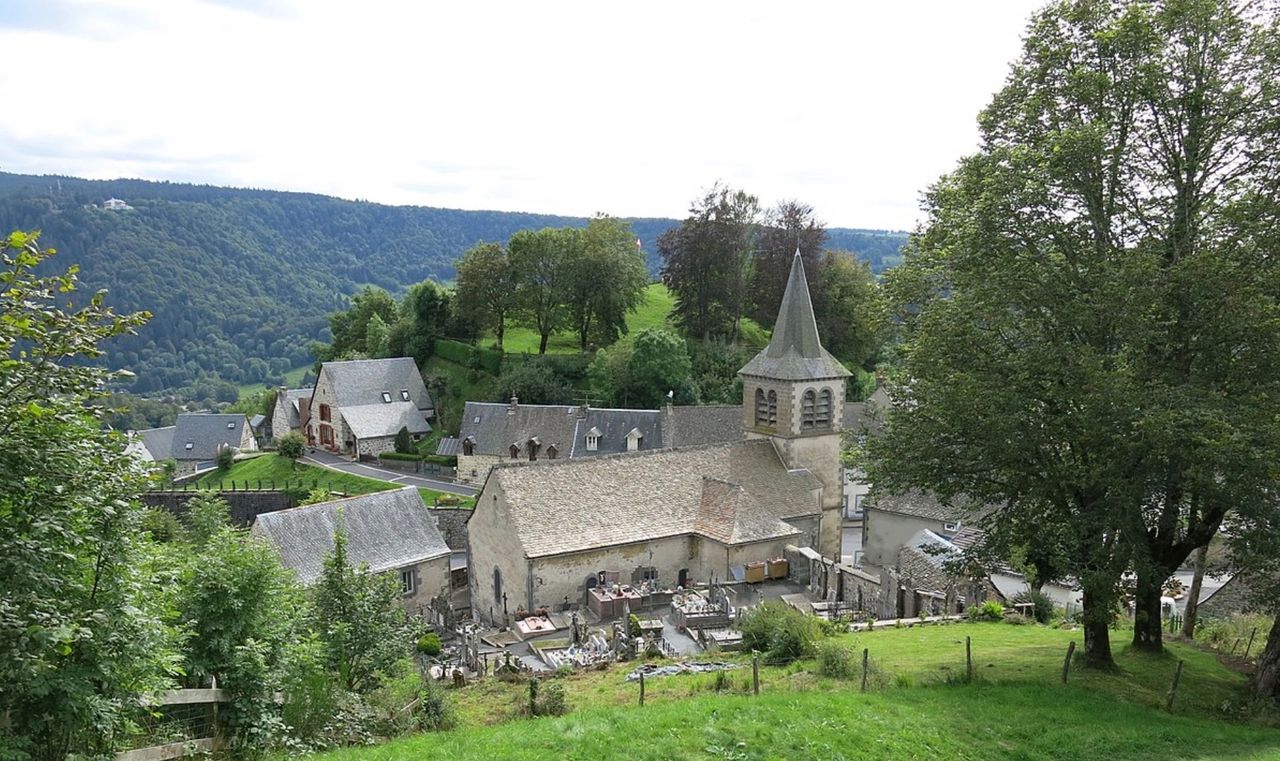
(240, 281)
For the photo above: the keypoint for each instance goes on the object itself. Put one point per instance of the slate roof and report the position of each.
(915, 503)
(385, 530)
(694, 425)
(360, 382)
(735, 492)
(794, 351)
(294, 398)
(256, 421)
(158, 441)
(368, 421)
(866, 417)
(206, 433)
(495, 427)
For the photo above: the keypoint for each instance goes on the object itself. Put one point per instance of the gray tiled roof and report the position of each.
(206, 433)
(694, 425)
(915, 503)
(573, 505)
(158, 441)
(614, 425)
(368, 421)
(866, 417)
(495, 427)
(794, 351)
(294, 398)
(360, 382)
(385, 530)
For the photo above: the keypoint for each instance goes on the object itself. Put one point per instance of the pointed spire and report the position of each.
(795, 352)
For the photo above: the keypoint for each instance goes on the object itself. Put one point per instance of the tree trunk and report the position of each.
(1097, 630)
(542, 344)
(1148, 627)
(1266, 680)
(1193, 596)
(502, 329)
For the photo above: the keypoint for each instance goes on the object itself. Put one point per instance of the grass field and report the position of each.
(653, 312)
(918, 706)
(292, 379)
(269, 468)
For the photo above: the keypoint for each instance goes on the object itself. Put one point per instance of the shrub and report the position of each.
(720, 682)
(435, 712)
(633, 626)
(551, 700)
(430, 645)
(991, 610)
(837, 661)
(226, 456)
(1017, 619)
(290, 445)
(404, 441)
(784, 633)
(1043, 610)
(405, 456)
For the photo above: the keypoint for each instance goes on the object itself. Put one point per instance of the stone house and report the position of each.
(891, 520)
(358, 407)
(387, 532)
(932, 576)
(197, 438)
(543, 530)
(291, 411)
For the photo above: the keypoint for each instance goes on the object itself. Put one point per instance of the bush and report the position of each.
(1017, 619)
(290, 445)
(837, 661)
(406, 456)
(404, 441)
(435, 712)
(1043, 610)
(226, 456)
(469, 356)
(991, 610)
(430, 645)
(552, 700)
(780, 631)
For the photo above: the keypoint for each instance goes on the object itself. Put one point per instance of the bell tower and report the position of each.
(793, 394)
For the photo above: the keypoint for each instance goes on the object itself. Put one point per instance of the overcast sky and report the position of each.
(558, 107)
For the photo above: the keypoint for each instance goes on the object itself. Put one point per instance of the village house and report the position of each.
(195, 440)
(492, 433)
(545, 532)
(358, 407)
(387, 532)
(291, 411)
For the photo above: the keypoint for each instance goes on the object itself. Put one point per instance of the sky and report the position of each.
(631, 109)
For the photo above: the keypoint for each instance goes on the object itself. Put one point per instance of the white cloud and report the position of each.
(565, 108)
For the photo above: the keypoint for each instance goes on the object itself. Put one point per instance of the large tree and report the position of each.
(485, 290)
(542, 267)
(787, 227)
(351, 326)
(1091, 306)
(849, 308)
(607, 278)
(706, 262)
(81, 636)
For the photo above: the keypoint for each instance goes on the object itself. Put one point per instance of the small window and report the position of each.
(552, 452)
(475, 419)
(515, 452)
(325, 414)
(231, 426)
(386, 397)
(407, 581)
(593, 442)
(951, 527)
(189, 446)
(404, 394)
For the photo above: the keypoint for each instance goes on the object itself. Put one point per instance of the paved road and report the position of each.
(334, 462)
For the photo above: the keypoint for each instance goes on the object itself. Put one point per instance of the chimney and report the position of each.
(582, 411)
(515, 402)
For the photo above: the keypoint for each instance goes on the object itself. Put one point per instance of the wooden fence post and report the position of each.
(755, 673)
(1173, 688)
(1066, 662)
(641, 688)
(1249, 646)
(968, 657)
(865, 654)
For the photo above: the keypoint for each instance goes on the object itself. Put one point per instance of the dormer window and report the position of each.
(386, 397)
(231, 426)
(515, 451)
(593, 439)
(552, 452)
(468, 446)
(404, 394)
(633, 440)
(533, 446)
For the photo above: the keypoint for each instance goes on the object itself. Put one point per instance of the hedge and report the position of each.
(440, 459)
(469, 356)
(401, 456)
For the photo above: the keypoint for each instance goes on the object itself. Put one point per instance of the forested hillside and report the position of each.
(241, 281)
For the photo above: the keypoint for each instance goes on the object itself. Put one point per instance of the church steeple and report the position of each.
(794, 352)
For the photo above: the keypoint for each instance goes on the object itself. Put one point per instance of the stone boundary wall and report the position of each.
(245, 505)
(453, 525)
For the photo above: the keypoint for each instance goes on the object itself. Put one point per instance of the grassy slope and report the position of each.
(272, 467)
(292, 379)
(1016, 708)
(652, 313)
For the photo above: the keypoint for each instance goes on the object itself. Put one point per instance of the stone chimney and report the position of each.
(583, 409)
(515, 402)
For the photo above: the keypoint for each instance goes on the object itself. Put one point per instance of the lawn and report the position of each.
(292, 379)
(917, 706)
(273, 471)
(654, 312)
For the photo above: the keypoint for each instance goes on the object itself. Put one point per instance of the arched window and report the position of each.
(773, 408)
(762, 408)
(808, 405)
(533, 449)
(515, 452)
(822, 414)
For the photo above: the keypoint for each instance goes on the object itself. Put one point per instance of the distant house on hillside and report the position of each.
(291, 411)
(492, 433)
(115, 204)
(151, 444)
(197, 438)
(389, 532)
(358, 407)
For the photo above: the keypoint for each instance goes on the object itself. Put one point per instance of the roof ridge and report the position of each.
(515, 464)
(298, 508)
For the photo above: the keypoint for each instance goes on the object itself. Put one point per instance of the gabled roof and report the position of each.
(385, 530)
(293, 398)
(158, 441)
(866, 417)
(495, 427)
(914, 503)
(206, 434)
(363, 381)
(737, 492)
(368, 421)
(794, 351)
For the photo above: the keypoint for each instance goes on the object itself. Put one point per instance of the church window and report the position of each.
(822, 413)
(808, 409)
(773, 408)
(762, 408)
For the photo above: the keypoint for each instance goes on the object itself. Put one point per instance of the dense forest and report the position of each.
(240, 281)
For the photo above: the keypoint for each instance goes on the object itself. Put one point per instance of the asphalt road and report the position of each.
(334, 462)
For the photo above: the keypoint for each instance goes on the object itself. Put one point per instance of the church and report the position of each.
(543, 532)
